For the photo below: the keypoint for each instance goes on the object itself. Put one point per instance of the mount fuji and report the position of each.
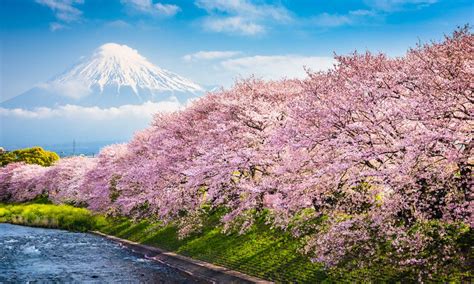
(114, 75)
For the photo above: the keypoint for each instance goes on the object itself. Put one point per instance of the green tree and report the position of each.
(34, 155)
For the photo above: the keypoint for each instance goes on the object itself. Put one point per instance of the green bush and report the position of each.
(34, 155)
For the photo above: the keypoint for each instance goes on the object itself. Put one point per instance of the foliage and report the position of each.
(34, 155)
(373, 158)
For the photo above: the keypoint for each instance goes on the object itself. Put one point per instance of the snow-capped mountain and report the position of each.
(121, 66)
(113, 75)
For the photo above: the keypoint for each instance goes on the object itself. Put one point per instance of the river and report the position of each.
(46, 255)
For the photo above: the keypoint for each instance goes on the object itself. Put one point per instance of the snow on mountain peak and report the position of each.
(115, 66)
(118, 50)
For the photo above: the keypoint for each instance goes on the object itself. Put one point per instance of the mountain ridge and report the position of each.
(113, 75)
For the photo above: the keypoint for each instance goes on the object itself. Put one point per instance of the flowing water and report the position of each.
(45, 255)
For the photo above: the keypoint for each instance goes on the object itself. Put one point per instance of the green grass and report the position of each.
(48, 216)
(262, 251)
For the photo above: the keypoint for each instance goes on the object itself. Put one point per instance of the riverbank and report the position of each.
(199, 269)
(261, 252)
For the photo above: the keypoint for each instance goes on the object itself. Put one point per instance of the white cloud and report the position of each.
(394, 5)
(210, 55)
(151, 8)
(167, 9)
(378, 8)
(117, 24)
(369, 13)
(64, 10)
(277, 67)
(146, 110)
(237, 25)
(241, 16)
(72, 89)
(245, 7)
(337, 20)
(57, 26)
(331, 20)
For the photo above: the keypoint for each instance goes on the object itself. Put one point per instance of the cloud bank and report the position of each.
(277, 67)
(65, 123)
(146, 110)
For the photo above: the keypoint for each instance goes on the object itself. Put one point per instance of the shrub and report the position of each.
(34, 155)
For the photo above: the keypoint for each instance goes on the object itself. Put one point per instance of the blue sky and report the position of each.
(213, 41)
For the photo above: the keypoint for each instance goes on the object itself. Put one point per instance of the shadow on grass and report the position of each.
(260, 252)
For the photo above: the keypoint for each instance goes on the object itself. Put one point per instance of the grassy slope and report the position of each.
(262, 251)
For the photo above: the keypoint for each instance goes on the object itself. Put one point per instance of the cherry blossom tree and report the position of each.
(64, 181)
(100, 179)
(382, 148)
(372, 158)
(19, 182)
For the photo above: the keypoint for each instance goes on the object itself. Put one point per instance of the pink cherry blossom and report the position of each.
(374, 156)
